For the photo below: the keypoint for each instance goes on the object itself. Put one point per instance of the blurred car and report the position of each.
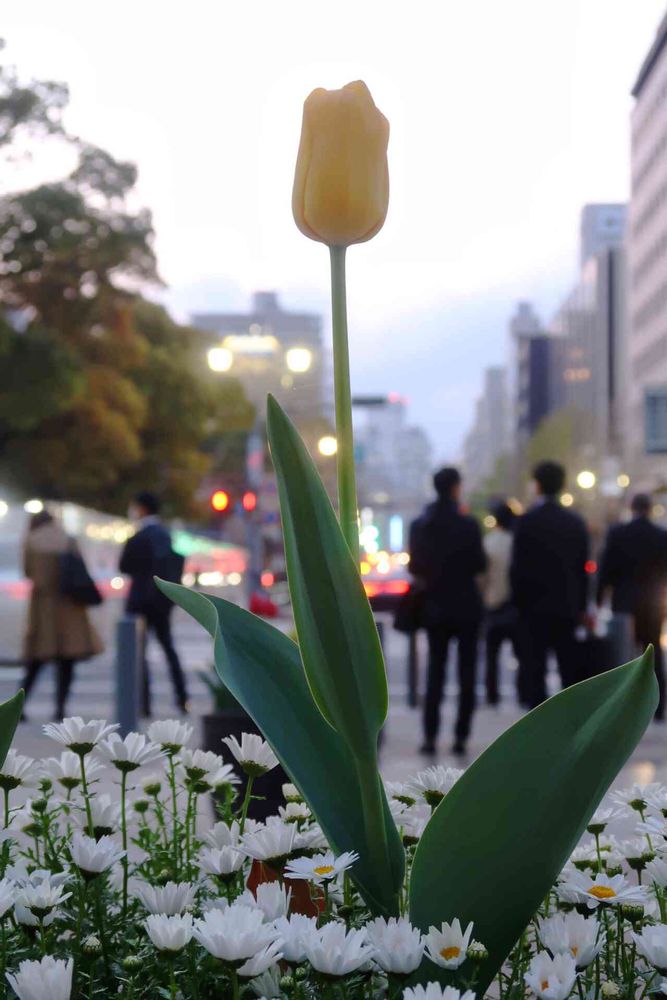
(386, 579)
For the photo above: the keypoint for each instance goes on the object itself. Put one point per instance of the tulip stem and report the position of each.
(347, 488)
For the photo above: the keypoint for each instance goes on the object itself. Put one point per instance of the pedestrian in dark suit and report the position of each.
(549, 582)
(147, 554)
(446, 555)
(634, 566)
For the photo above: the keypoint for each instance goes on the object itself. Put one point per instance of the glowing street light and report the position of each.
(623, 480)
(567, 499)
(327, 445)
(4, 508)
(298, 359)
(33, 506)
(586, 479)
(220, 359)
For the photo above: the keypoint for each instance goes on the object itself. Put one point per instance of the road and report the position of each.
(93, 696)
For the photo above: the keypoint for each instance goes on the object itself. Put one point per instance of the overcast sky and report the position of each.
(505, 119)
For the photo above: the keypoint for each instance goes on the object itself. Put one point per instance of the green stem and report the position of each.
(123, 828)
(86, 797)
(246, 802)
(172, 978)
(347, 489)
(99, 914)
(6, 796)
(373, 811)
(172, 784)
(235, 984)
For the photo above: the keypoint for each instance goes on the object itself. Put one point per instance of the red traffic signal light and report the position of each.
(220, 501)
(249, 501)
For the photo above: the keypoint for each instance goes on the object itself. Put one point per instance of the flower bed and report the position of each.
(122, 894)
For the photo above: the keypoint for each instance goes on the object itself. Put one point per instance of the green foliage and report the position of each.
(498, 840)
(10, 713)
(263, 670)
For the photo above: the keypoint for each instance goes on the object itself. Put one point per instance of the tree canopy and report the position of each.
(101, 392)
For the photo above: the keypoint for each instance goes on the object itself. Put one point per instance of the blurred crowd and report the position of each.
(530, 582)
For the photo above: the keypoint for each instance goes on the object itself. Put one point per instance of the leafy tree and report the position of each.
(119, 395)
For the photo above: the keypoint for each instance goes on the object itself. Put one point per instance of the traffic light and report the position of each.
(249, 501)
(220, 501)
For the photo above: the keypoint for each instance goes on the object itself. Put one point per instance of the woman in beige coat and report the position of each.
(58, 629)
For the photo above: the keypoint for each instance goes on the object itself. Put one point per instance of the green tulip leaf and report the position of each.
(10, 713)
(262, 669)
(498, 840)
(338, 638)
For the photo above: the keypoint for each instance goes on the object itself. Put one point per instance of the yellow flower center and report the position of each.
(323, 869)
(575, 951)
(601, 892)
(545, 984)
(451, 952)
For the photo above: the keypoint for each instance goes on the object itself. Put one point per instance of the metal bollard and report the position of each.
(128, 673)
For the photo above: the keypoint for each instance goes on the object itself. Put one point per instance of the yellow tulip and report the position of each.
(341, 183)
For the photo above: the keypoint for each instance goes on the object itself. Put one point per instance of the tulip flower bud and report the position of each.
(341, 183)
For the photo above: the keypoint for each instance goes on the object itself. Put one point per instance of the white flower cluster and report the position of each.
(133, 890)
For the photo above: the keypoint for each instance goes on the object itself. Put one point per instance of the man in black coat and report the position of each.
(446, 555)
(549, 583)
(148, 553)
(634, 566)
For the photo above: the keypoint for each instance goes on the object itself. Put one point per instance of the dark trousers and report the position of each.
(501, 626)
(64, 675)
(648, 629)
(538, 636)
(439, 637)
(158, 621)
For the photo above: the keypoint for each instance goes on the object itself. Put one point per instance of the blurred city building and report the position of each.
(647, 269)
(489, 439)
(270, 349)
(532, 367)
(394, 466)
(588, 343)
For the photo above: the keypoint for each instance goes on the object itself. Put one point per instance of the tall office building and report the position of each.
(601, 227)
(588, 341)
(394, 465)
(489, 438)
(647, 273)
(270, 349)
(532, 393)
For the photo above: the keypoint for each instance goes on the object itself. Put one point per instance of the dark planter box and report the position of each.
(231, 723)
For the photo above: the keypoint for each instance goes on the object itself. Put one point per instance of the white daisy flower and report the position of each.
(601, 819)
(267, 986)
(654, 826)
(657, 799)
(170, 900)
(222, 862)
(151, 784)
(399, 947)
(293, 931)
(234, 934)
(320, 868)
(261, 962)
(48, 979)
(572, 934)
(41, 897)
(656, 872)
(273, 842)
(129, 753)
(223, 835)
(412, 822)
(400, 791)
(434, 991)
(272, 898)
(253, 754)
(637, 796)
(600, 889)
(26, 917)
(92, 857)
(105, 813)
(335, 951)
(433, 783)
(652, 945)
(294, 812)
(170, 734)
(310, 838)
(447, 946)
(79, 736)
(551, 978)
(291, 793)
(169, 933)
(17, 771)
(7, 896)
(66, 770)
(206, 770)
